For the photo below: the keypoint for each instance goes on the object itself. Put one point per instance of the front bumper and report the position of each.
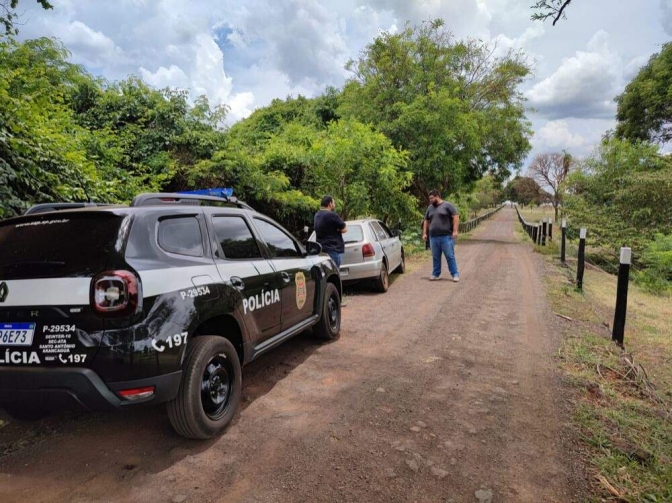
(362, 270)
(67, 388)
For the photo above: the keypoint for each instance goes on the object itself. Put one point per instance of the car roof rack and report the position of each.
(47, 207)
(162, 198)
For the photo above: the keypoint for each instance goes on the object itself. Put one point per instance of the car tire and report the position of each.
(382, 282)
(24, 414)
(402, 267)
(210, 389)
(329, 326)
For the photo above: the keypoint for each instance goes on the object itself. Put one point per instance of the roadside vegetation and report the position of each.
(623, 402)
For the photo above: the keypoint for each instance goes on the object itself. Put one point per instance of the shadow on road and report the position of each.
(131, 441)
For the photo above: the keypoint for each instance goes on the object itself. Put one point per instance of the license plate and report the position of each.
(344, 272)
(16, 334)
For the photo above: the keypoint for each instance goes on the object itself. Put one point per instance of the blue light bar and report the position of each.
(217, 192)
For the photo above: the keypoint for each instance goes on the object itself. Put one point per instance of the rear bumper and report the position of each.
(67, 388)
(363, 270)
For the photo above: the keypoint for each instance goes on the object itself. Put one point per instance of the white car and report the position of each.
(372, 251)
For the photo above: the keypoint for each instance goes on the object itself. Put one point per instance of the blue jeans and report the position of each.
(443, 245)
(336, 257)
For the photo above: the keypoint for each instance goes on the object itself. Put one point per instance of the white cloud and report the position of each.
(241, 106)
(237, 39)
(524, 42)
(666, 20)
(462, 17)
(632, 69)
(303, 39)
(173, 76)
(583, 85)
(555, 135)
(88, 46)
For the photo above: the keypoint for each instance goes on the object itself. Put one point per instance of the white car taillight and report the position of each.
(368, 250)
(116, 293)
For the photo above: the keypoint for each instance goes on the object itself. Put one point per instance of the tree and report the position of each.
(9, 17)
(67, 136)
(550, 9)
(43, 151)
(486, 194)
(645, 108)
(550, 170)
(525, 190)
(452, 105)
(363, 171)
(622, 193)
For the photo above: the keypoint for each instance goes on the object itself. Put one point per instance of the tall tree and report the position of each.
(551, 170)
(554, 9)
(525, 190)
(454, 106)
(9, 16)
(645, 108)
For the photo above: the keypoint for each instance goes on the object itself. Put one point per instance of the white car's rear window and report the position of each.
(355, 234)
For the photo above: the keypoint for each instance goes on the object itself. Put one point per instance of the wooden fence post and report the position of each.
(564, 238)
(582, 258)
(618, 330)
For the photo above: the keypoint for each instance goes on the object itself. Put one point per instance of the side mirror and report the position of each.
(313, 248)
(396, 233)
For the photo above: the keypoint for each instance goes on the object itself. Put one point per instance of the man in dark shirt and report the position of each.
(441, 225)
(329, 230)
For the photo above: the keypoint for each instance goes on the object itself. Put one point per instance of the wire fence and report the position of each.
(574, 242)
(598, 257)
(472, 224)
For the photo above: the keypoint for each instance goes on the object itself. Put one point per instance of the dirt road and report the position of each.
(434, 392)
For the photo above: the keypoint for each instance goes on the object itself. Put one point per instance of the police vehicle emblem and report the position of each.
(301, 293)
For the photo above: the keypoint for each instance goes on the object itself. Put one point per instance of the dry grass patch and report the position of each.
(532, 215)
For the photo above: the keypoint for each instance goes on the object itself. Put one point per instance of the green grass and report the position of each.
(532, 215)
(625, 424)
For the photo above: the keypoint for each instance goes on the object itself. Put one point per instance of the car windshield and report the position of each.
(354, 234)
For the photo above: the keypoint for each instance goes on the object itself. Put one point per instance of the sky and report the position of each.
(245, 53)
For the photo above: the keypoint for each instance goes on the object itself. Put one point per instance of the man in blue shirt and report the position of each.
(441, 224)
(329, 230)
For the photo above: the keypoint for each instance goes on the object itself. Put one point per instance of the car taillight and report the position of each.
(136, 393)
(368, 251)
(116, 293)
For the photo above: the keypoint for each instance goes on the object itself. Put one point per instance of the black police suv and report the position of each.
(160, 301)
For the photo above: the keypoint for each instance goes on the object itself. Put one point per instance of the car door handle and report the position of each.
(237, 283)
(285, 277)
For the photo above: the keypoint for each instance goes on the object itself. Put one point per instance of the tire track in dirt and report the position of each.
(435, 390)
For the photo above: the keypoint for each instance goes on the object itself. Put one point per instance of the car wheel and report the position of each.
(210, 390)
(24, 414)
(402, 267)
(382, 282)
(329, 325)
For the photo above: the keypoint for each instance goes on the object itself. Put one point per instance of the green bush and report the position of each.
(657, 259)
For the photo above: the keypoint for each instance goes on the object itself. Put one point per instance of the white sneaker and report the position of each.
(434, 278)
(456, 279)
